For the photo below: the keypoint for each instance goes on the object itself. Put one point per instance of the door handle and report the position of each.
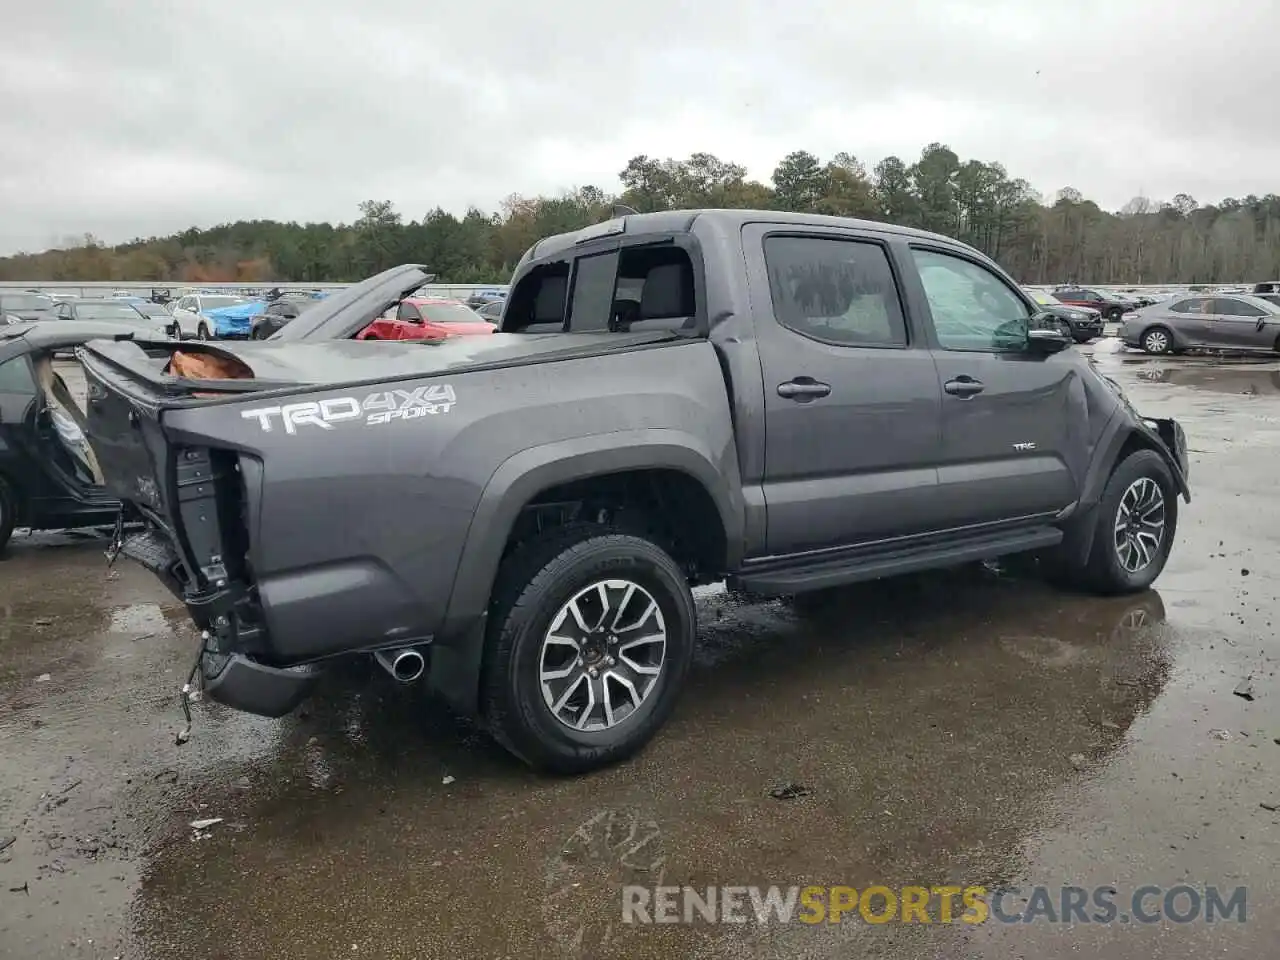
(963, 387)
(803, 389)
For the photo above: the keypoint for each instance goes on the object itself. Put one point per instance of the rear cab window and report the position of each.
(638, 285)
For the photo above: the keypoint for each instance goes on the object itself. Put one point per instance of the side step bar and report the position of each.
(782, 580)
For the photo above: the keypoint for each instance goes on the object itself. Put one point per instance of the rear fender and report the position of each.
(458, 649)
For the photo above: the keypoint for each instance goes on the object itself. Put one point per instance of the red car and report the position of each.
(421, 318)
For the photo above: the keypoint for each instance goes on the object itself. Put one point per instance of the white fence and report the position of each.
(143, 288)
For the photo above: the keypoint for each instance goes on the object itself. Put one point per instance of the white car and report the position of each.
(189, 313)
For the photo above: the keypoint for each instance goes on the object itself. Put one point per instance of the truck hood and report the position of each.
(283, 363)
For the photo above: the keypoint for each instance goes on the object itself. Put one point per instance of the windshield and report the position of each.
(25, 301)
(107, 311)
(148, 309)
(449, 313)
(1045, 299)
(213, 303)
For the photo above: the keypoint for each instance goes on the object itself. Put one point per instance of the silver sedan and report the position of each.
(1216, 322)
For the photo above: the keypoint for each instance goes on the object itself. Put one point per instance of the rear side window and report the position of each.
(834, 290)
(1193, 305)
(15, 377)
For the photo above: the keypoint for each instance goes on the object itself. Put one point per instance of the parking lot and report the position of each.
(973, 727)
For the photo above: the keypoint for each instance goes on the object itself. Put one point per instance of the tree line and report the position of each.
(1058, 239)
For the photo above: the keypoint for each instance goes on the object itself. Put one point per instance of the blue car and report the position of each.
(235, 322)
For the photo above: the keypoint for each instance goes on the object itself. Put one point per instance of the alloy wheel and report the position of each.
(603, 655)
(1140, 525)
(1156, 342)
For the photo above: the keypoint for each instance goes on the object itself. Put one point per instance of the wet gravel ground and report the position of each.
(970, 727)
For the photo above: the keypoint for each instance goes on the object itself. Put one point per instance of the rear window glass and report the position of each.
(107, 311)
(449, 313)
(25, 301)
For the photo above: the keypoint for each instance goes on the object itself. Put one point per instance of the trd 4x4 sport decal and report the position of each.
(385, 406)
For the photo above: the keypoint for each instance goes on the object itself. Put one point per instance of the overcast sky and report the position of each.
(141, 117)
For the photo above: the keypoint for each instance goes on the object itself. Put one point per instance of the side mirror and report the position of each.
(1047, 341)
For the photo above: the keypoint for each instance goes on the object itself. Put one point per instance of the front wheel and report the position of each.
(590, 638)
(1137, 518)
(202, 332)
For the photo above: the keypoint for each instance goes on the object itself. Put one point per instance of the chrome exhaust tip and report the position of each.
(405, 664)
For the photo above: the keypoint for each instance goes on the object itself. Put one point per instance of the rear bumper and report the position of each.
(235, 679)
(242, 683)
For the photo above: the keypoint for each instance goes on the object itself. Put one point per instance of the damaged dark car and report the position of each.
(49, 478)
(788, 402)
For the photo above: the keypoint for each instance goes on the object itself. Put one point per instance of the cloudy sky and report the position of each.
(139, 117)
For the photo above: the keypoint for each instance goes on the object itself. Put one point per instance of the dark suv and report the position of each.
(1105, 302)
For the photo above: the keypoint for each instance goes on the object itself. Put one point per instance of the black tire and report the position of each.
(536, 582)
(1104, 572)
(1157, 341)
(1114, 314)
(8, 512)
(202, 333)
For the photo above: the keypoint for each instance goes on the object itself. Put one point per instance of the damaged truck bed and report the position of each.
(786, 401)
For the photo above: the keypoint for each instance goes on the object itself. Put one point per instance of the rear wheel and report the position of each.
(590, 637)
(1157, 340)
(202, 332)
(1114, 314)
(8, 512)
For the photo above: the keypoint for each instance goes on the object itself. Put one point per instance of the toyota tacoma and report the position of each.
(786, 402)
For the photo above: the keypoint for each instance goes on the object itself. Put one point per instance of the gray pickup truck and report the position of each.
(787, 402)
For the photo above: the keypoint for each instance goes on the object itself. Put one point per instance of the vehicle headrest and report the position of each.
(668, 292)
(549, 305)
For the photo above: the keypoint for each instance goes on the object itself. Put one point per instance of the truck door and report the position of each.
(852, 402)
(1012, 443)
